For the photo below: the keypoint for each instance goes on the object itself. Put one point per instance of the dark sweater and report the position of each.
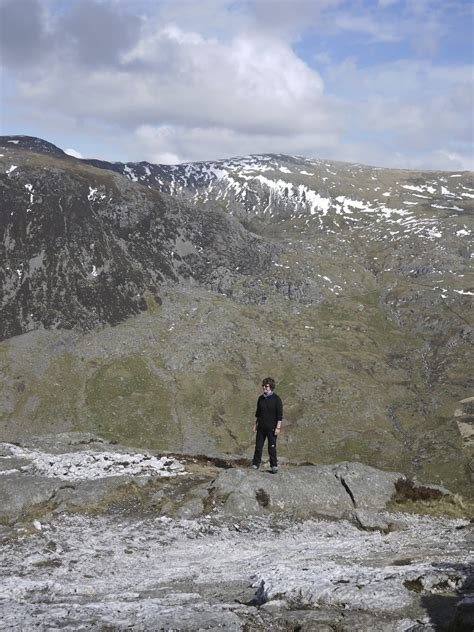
(269, 411)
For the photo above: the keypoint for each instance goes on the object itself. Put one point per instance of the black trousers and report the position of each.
(269, 435)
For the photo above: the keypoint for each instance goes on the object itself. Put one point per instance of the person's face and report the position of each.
(266, 388)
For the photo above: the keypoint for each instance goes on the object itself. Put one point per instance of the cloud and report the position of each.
(175, 81)
(23, 36)
(369, 25)
(74, 153)
(96, 34)
(284, 19)
(173, 77)
(175, 144)
(417, 100)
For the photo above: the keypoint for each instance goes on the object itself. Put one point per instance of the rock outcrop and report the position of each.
(81, 472)
(464, 416)
(326, 490)
(113, 537)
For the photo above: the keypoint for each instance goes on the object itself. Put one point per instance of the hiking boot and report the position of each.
(274, 469)
(255, 467)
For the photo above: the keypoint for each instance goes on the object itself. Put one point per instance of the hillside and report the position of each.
(145, 302)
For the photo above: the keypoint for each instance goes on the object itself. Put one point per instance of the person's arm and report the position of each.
(279, 411)
(256, 418)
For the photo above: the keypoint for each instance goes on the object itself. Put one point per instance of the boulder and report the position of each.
(301, 490)
(368, 487)
(328, 490)
(464, 614)
(20, 492)
(464, 416)
(369, 520)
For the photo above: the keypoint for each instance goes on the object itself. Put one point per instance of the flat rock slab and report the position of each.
(329, 490)
(107, 572)
(19, 492)
(24, 496)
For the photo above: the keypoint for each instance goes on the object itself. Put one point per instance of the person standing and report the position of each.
(269, 415)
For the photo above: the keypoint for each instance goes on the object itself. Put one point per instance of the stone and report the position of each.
(369, 487)
(464, 416)
(8, 464)
(369, 520)
(190, 509)
(464, 615)
(303, 490)
(19, 493)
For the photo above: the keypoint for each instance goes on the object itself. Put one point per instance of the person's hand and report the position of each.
(277, 431)
(255, 428)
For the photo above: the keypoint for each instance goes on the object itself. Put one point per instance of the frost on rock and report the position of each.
(92, 465)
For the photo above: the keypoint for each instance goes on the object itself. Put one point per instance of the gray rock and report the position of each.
(320, 489)
(80, 495)
(302, 490)
(12, 463)
(464, 615)
(368, 520)
(20, 492)
(369, 487)
(191, 509)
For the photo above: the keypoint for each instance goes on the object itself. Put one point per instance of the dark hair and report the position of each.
(270, 381)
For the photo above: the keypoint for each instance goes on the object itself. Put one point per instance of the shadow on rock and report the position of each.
(452, 610)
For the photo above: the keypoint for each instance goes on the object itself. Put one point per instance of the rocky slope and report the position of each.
(352, 285)
(96, 536)
(84, 247)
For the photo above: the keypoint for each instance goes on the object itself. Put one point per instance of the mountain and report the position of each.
(157, 297)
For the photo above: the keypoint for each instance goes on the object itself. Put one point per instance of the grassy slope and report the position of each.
(185, 377)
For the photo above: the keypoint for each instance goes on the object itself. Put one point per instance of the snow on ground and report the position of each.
(236, 182)
(421, 189)
(464, 292)
(92, 193)
(130, 173)
(84, 465)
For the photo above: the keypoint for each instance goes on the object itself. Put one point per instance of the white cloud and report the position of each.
(173, 144)
(74, 153)
(172, 77)
(196, 81)
(376, 29)
(420, 107)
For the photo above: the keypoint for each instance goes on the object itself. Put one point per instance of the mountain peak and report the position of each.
(31, 143)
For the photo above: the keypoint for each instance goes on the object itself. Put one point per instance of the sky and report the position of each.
(383, 82)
